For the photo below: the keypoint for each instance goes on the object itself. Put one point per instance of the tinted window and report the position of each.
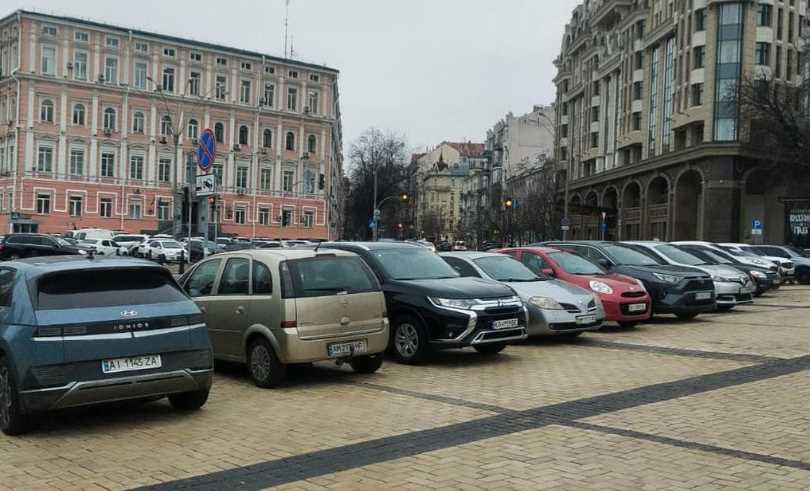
(679, 256)
(798, 252)
(330, 275)
(534, 262)
(772, 251)
(707, 256)
(201, 281)
(574, 264)
(262, 281)
(6, 286)
(461, 266)
(16, 239)
(235, 278)
(104, 288)
(412, 263)
(170, 244)
(631, 257)
(506, 268)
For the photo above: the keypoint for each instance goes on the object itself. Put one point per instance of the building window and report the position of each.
(194, 56)
(222, 61)
(111, 70)
(239, 216)
(137, 122)
(163, 211)
(595, 114)
(136, 167)
(286, 217)
(309, 218)
(264, 216)
(48, 31)
(312, 144)
(76, 162)
(48, 60)
(636, 121)
(287, 181)
(194, 84)
(292, 99)
(112, 42)
(315, 78)
(140, 75)
(221, 88)
(218, 172)
(269, 95)
(265, 179)
(164, 170)
(109, 119)
(697, 94)
(700, 57)
(46, 111)
(43, 203)
(309, 181)
(135, 208)
(244, 135)
(653, 126)
(246, 66)
(244, 92)
(169, 52)
(269, 70)
(313, 101)
(764, 12)
(75, 206)
(290, 142)
(638, 89)
(45, 159)
(168, 79)
(669, 83)
(105, 207)
(700, 20)
(78, 115)
(166, 125)
(242, 177)
(193, 128)
(267, 138)
(141, 47)
(219, 133)
(292, 74)
(594, 139)
(80, 65)
(763, 54)
(107, 164)
(727, 74)
(81, 36)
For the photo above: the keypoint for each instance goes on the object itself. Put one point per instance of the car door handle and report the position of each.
(240, 310)
(345, 321)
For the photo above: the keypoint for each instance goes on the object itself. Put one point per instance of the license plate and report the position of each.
(637, 307)
(339, 350)
(131, 364)
(586, 319)
(504, 323)
(703, 295)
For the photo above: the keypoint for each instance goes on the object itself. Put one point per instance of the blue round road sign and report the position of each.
(206, 149)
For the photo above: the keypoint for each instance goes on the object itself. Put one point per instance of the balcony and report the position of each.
(609, 12)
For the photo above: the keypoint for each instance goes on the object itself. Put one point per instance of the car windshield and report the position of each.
(170, 244)
(412, 263)
(573, 264)
(679, 255)
(630, 257)
(506, 268)
(127, 238)
(797, 251)
(716, 256)
(62, 242)
(738, 252)
(704, 256)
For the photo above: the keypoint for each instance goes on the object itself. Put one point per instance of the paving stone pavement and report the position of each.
(713, 404)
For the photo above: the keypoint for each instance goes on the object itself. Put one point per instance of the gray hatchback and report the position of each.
(80, 330)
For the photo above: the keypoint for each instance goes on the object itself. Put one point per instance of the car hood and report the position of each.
(455, 288)
(558, 290)
(670, 269)
(721, 270)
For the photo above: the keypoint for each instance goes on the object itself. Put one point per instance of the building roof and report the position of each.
(469, 149)
(170, 38)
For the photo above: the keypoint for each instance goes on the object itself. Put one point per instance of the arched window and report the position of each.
(290, 140)
(219, 133)
(312, 144)
(267, 139)
(78, 115)
(193, 128)
(243, 135)
(137, 122)
(166, 125)
(109, 119)
(46, 111)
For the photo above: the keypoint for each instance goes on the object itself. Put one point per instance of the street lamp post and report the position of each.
(377, 212)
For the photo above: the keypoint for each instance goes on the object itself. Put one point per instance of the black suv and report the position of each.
(17, 246)
(680, 290)
(431, 306)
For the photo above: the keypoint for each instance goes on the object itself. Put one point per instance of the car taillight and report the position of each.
(288, 324)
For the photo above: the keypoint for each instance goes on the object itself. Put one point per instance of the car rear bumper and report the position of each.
(116, 389)
(293, 349)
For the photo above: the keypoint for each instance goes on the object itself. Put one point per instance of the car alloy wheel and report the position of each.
(265, 368)
(260, 362)
(406, 340)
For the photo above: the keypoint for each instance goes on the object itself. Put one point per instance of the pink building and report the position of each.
(99, 128)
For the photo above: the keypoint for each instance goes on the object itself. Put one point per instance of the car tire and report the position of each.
(725, 308)
(489, 349)
(189, 401)
(12, 421)
(409, 340)
(803, 277)
(687, 317)
(264, 366)
(366, 364)
(628, 324)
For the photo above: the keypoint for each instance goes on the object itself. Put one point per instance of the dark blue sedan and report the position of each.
(78, 330)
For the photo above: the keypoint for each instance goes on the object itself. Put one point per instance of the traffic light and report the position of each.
(321, 182)
(508, 203)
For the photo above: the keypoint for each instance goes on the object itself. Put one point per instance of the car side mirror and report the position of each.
(604, 263)
(549, 272)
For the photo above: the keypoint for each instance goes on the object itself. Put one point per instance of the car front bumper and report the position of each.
(556, 322)
(684, 303)
(733, 293)
(620, 311)
(458, 328)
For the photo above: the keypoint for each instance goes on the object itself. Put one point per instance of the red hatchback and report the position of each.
(625, 299)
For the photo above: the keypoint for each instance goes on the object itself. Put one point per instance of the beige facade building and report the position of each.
(648, 120)
(99, 126)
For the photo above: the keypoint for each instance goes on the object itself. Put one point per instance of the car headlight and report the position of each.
(725, 279)
(666, 278)
(546, 303)
(454, 303)
(600, 287)
(758, 275)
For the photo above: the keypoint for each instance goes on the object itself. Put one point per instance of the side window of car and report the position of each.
(6, 286)
(461, 267)
(262, 280)
(201, 281)
(775, 251)
(534, 262)
(236, 277)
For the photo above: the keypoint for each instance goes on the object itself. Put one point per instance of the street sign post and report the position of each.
(205, 185)
(206, 149)
(756, 227)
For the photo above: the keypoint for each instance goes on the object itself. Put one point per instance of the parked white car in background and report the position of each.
(168, 250)
(130, 240)
(104, 247)
(93, 233)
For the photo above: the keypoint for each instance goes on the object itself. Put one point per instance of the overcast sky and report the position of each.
(432, 70)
